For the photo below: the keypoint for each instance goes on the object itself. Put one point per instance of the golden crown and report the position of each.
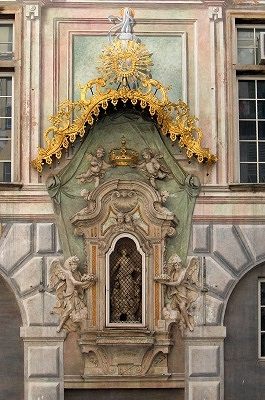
(123, 156)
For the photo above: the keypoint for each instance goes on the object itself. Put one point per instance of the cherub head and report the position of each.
(147, 154)
(175, 262)
(72, 263)
(164, 196)
(100, 152)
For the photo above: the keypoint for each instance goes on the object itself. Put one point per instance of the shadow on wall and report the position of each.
(244, 372)
(122, 394)
(11, 346)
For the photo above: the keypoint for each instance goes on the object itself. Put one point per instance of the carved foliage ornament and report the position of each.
(125, 78)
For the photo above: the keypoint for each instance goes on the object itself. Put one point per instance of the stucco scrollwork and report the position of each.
(70, 288)
(181, 290)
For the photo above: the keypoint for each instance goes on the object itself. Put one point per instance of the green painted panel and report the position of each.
(167, 59)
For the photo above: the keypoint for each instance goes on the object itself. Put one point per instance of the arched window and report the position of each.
(125, 263)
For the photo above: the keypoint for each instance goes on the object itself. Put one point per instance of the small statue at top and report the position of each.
(123, 27)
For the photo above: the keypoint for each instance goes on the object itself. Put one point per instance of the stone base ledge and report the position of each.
(207, 332)
(170, 381)
(41, 333)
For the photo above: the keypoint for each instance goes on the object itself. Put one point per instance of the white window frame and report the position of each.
(9, 22)
(248, 78)
(12, 158)
(248, 26)
(261, 280)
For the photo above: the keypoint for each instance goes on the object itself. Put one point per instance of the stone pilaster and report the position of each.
(43, 362)
(32, 84)
(204, 355)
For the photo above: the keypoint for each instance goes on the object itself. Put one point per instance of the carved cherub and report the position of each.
(153, 166)
(159, 205)
(70, 285)
(97, 168)
(181, 290)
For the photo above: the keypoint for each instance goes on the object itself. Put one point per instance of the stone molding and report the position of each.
(204, 366)
(43, 362)
(230, 251)
(26, 252)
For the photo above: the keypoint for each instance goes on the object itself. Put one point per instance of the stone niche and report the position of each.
(124, 226)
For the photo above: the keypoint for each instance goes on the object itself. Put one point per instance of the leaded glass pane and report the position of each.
(261, 128)
(6, 86)
(5, 171)
(246, 89)
(5, 150)
(247, 130)
(246, 56)
(247, 109)
(261, 151)
(248, 151)
(6, 38)
(262, 292)
(261, 89)
(261, 109)
(262, 173)
(248, 173)
(262, 344)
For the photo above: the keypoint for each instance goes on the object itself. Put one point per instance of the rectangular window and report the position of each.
(250, 102)
(251, 128)
(7, 76)
(6, 123)
(261, 318)
(247, 43)
(6, 40)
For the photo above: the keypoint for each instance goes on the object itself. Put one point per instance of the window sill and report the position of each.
(10, 186)
(247, 187)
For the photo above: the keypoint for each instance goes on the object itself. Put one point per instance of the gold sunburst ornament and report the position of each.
(125, 62)
(125, 78)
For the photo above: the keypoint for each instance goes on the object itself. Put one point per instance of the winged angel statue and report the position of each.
(181, 290)
(70, 288)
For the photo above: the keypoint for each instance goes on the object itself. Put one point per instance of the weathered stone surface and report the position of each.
(208, 311)
(213, 310)
(15, 246)
(217, 279)
(34, 309)
(43, 361)
(49, 260)
(228, 248)
(49, 317)
(29, 275)
(204, 361)
(57, 240)
(44, 390)
(201, 238)
(204, 391)
(45, 238)
(254, 235)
